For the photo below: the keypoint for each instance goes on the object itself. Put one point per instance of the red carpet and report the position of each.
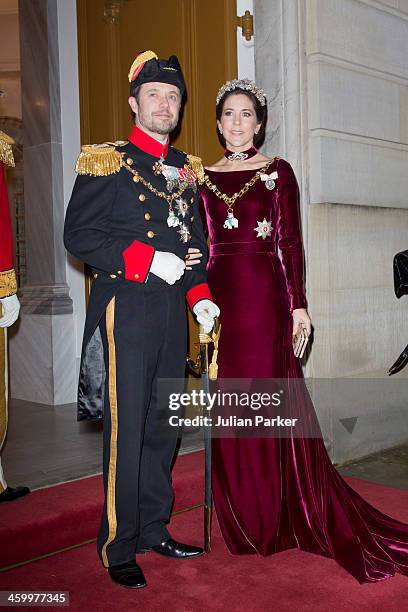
(68, 514)
(288, 581)
(64, 515)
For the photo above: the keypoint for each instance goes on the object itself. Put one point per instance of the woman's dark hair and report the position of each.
(260, 111)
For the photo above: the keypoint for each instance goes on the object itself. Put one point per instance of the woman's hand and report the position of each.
(300, 316)
(192, 258)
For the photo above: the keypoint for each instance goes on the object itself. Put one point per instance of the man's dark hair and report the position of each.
(134, 92)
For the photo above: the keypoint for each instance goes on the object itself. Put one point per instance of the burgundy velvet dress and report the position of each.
(272, 494)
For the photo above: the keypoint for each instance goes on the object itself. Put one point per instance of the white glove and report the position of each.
(11, 308)
(205, 312)
(167, 266)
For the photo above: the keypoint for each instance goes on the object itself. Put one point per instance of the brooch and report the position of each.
(264, 229)
(268, 179)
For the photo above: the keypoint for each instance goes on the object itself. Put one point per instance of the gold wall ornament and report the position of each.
(111, 11)
(246, 23)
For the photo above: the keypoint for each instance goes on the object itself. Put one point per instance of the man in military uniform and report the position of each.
(9, 306)
(131, 217)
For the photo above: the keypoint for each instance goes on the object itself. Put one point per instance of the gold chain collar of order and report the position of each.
(138, 178)
(230, 200)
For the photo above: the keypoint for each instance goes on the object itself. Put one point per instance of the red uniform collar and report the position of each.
(148, 144)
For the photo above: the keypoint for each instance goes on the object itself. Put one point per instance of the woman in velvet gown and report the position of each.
(272, 494)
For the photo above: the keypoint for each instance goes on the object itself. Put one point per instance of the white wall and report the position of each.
(336, 77)
(357, 73)
(245, 49)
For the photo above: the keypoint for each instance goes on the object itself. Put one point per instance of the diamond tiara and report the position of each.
(246, 84)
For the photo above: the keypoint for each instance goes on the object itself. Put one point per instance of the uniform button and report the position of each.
(95, 275)
(119, 271)
(147, 216)
(112, 275)
(142, 197)
(129, 161)
(150, 234)
(136, 178)
(136, 275)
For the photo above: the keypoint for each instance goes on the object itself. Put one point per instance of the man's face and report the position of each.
(157, 108)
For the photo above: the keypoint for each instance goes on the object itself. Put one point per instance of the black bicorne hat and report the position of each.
(148, 68)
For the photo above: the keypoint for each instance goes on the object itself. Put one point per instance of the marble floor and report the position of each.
(46, 445)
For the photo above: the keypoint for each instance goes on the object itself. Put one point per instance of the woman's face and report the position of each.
(238, 122)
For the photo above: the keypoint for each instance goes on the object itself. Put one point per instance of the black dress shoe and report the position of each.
(176, 550)
(12, 493)
(128, 575)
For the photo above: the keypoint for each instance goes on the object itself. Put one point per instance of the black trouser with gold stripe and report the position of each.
(144, 334)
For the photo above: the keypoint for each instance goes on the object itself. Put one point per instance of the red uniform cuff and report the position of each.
(138, 258)
(197, 293)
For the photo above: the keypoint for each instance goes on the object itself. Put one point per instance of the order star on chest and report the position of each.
(264, 229)
(182, 207)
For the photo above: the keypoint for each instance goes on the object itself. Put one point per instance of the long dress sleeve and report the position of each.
(289, 235)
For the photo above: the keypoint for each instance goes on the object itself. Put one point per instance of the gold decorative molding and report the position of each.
(112, 10)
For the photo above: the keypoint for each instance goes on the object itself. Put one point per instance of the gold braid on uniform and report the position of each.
(138, 178)
(196, 165)
(8, 283)
(6, 152)
(99, 160)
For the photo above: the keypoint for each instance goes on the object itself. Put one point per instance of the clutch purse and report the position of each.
(401, 273)
(299, 341)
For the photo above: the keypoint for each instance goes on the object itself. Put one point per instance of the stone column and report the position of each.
(43, 362)
(338, 113)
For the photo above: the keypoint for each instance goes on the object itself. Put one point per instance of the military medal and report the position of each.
(182, 207)
(175, 177)
(172, 219)
(230, 222)
(264, 229)
(184, 232)
(180, 178)
(268, 179)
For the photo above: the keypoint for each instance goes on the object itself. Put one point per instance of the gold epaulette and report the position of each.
(8, 283)
(197, 165)
(6, 152)
(99, 160)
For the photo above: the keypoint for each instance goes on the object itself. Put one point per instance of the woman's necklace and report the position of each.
(241, 155)
(231, 222)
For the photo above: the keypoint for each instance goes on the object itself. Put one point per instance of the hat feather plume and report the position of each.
(139, 62)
